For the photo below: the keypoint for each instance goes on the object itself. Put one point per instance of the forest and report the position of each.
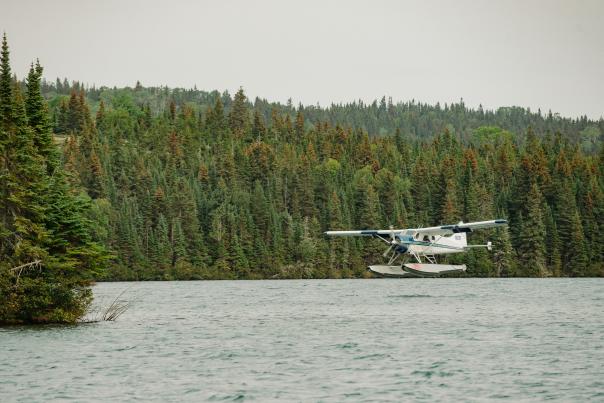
(153, 183)
(188, 184)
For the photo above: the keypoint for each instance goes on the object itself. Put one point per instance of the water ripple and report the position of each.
(321, 340)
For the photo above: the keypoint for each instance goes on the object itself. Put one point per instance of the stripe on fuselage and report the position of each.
(434, 245)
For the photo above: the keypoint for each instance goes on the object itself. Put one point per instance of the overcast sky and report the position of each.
(541, 54)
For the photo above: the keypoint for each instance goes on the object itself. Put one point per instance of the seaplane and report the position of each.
(422, 245)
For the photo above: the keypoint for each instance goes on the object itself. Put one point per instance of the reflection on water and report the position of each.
(432, 339)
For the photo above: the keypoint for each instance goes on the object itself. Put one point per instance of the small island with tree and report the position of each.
(48, 258)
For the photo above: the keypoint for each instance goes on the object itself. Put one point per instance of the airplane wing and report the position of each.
(461, 227)
(365, 232)
(440, 230)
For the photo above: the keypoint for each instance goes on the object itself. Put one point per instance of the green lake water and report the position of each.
(321, 340)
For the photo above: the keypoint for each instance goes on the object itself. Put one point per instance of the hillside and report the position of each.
(383, 117)
(191, 184)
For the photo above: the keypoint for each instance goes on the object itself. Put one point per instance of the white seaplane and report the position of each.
(423, 244)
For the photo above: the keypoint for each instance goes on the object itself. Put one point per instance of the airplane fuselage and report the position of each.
(423, 244)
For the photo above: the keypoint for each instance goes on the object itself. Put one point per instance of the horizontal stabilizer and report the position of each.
(489, 246)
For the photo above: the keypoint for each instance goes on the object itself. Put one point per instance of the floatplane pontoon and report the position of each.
(423, 245)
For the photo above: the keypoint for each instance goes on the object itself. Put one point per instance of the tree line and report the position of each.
(383, 117)
(189, 184)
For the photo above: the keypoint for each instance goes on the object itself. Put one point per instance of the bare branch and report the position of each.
(20, 269)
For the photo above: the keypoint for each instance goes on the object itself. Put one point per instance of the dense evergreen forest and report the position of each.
(196, 185)
(187, 184)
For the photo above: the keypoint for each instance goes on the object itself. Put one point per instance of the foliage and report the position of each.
(48, 257)
(188, 184)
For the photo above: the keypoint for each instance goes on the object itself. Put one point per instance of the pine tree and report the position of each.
(215, 121)
(75, 119)
(388, 195)
(299, 125)
(47, 256)
(96, 178)
(258, 127)
(531, 250)
(23, 209)
(172, 109)
(6, 84)
(37, 118)
(238, 118)
(365, 198)
(450, 205)
(570, 228)
(552, 244)
(338, 248)
(71, 165)
(184, 208)
(422, 193)
(592, 214)
(478, 205)
(179, 245)
(163, 248)
(503, 253)
(101, 116)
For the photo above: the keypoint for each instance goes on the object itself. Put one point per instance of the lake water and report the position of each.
(322, 340)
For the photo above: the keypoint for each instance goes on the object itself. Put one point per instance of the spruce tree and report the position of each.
(531, 250)
(258, 127)
(6, 84)
(47, 256)
(238, 117)
(570, 229)
(37, 118)
(422, 193)
(449, 212)
(338, 248)
(503, 259)
(299, 125)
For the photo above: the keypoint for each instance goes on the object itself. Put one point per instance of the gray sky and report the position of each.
(547, 54)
